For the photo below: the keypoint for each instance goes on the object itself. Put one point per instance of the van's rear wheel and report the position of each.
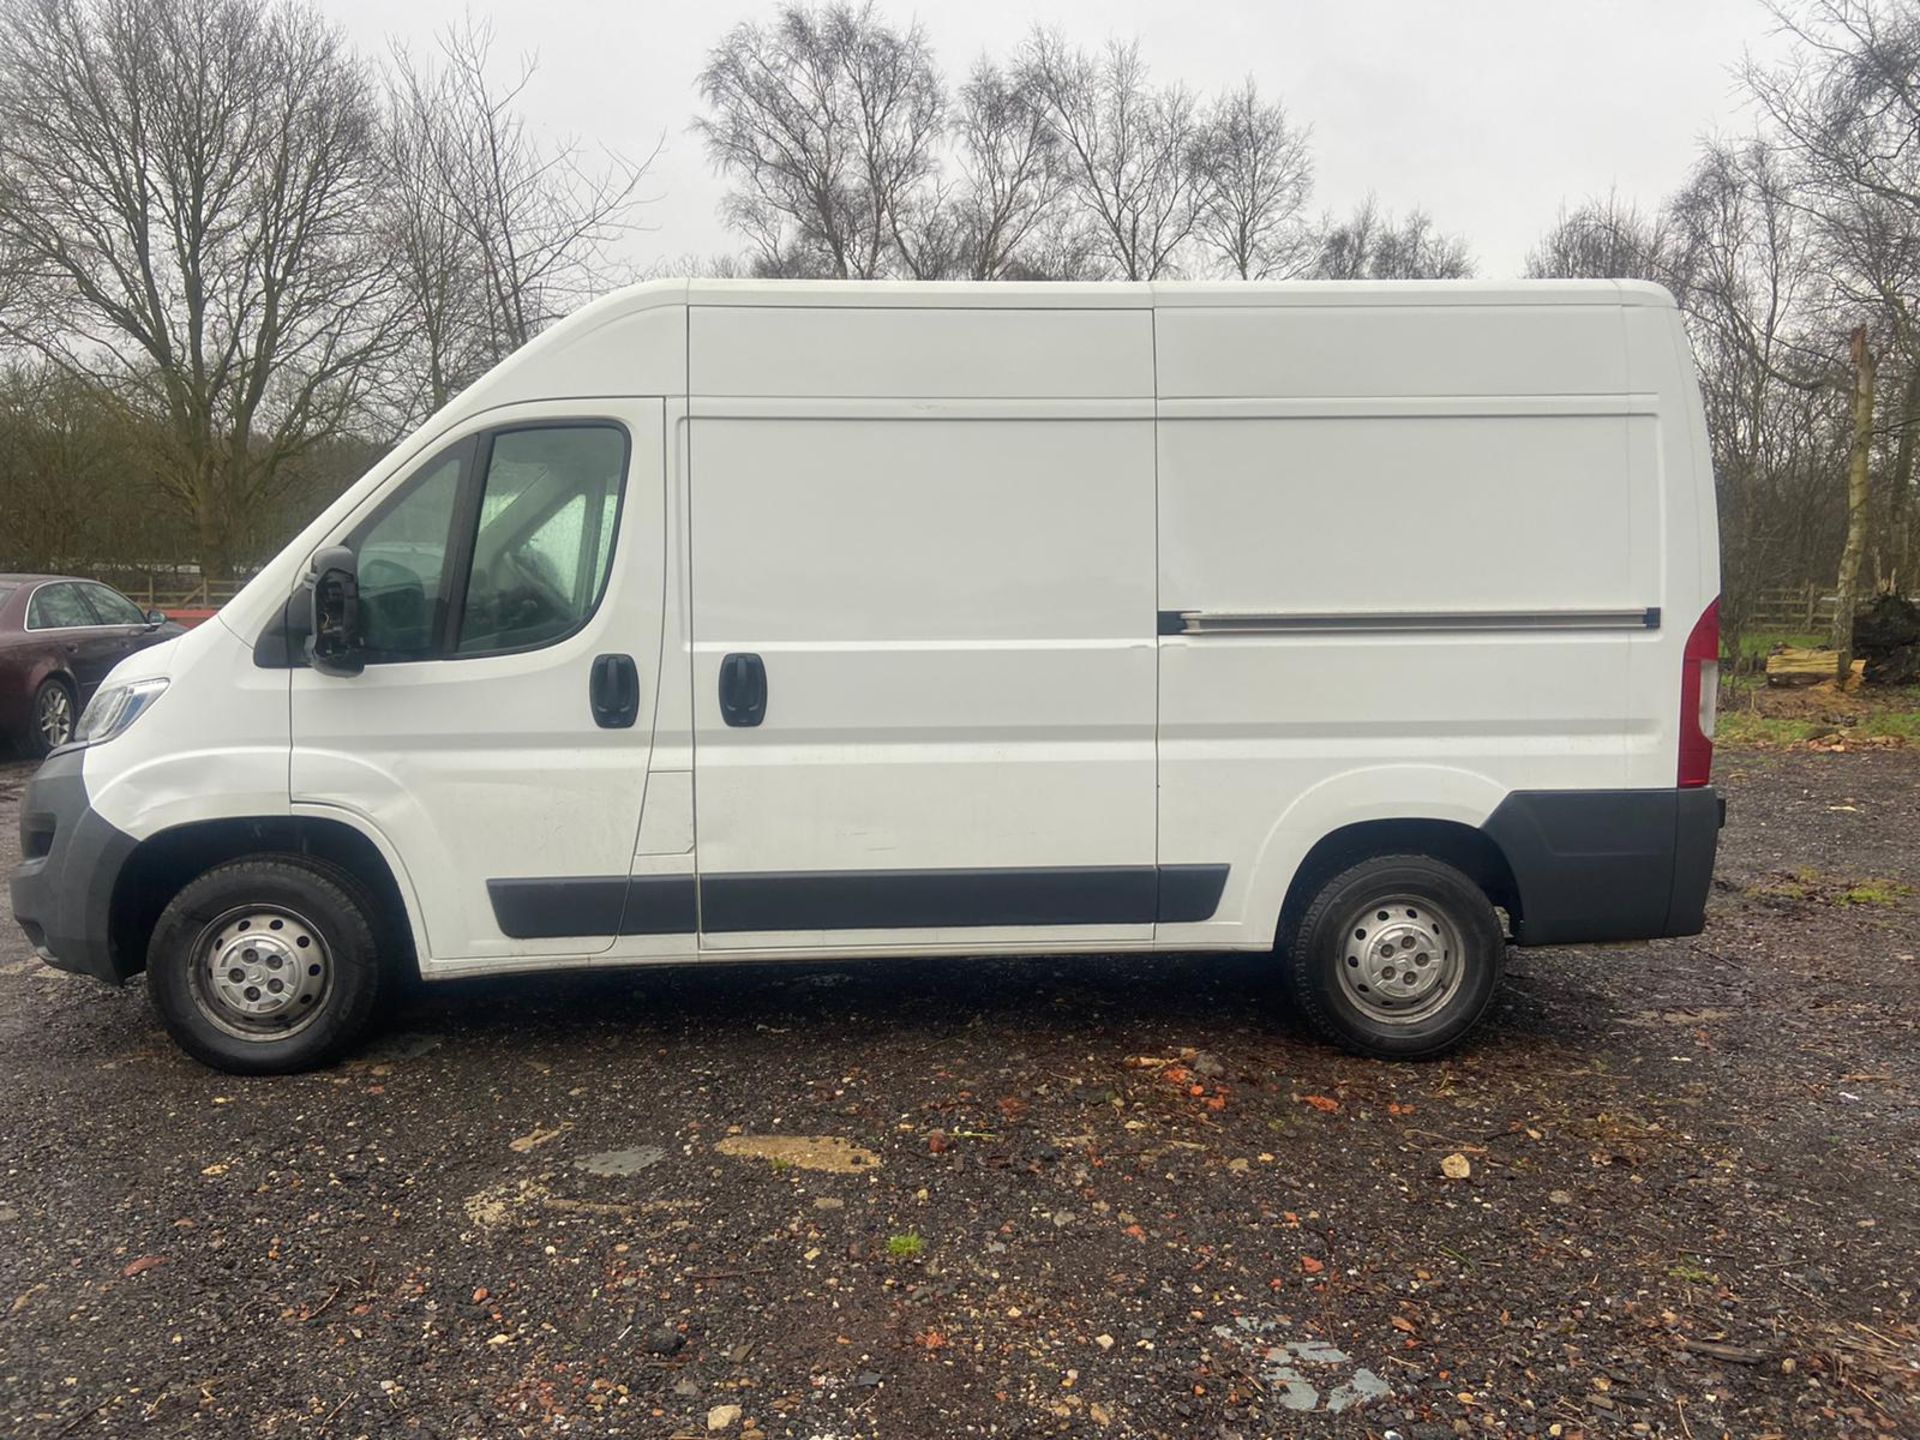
(1397, 957)
(266, 965)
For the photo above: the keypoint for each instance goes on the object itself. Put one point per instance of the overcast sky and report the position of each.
(1487, 113)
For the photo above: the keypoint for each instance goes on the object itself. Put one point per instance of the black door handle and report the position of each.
(613, 691)
(743, 690)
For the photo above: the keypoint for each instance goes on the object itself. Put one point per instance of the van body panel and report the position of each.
(956, 622)
(1388, 628)
(1413, 349)
(925, 354)
(212, 762)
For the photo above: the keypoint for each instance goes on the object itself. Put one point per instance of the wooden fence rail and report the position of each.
(161, 588)
(1794, 607)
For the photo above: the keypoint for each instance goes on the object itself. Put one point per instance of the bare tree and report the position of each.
(1370, 245)
(827, 122)
(1752, 294)
(1846, 108)
(1129, 150)
(1609, 239)
(185, 194)
(440, 301)
(495, 235)
(1257, 173)
(1008, 207)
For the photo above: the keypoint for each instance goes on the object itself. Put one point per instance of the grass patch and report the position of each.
(1809, 884)
(1805, 882)
(1756, 645)
(1875, 892)
(1750, 728)
(1895, 724)
(905, 1247)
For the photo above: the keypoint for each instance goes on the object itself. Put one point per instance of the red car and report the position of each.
(59, 636)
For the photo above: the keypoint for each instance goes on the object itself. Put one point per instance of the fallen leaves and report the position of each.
(1312, 1266)
(142, 1265)
(1179, 1072)
(1325, 1104)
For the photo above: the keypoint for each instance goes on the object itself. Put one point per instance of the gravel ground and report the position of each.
(1089, 1197)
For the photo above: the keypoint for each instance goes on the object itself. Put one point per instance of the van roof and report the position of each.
(1115, 294)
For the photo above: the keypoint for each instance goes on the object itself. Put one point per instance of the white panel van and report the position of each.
(1372, 625)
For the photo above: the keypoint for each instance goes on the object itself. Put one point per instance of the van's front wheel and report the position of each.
(266, 965)
(1397, 957)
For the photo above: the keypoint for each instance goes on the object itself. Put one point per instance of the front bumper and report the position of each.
(71, 861)
(1594, 866)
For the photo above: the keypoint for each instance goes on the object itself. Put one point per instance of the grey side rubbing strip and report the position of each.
(565, 908)
(1357, 622)
(857, 900)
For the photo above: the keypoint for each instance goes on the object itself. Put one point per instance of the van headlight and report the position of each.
(115, 707)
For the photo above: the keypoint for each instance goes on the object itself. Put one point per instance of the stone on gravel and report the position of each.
(831, 1153)
(1456, 1167)
(621, 1162)
(663, 1340)
(722, 1416)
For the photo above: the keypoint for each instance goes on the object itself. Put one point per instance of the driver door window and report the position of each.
(545, 538)
(455, 565)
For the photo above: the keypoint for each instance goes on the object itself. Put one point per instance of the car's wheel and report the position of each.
(51, 722)
(266, 965)
(1397, 957)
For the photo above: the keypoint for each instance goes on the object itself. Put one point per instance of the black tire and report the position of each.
(1339, 933)
(258, 912)
(53, 691)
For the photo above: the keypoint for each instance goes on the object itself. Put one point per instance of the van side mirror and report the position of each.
(156, 618)
(333, 636)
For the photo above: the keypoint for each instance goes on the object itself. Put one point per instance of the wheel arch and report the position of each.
(1465, 847)
(166, 861)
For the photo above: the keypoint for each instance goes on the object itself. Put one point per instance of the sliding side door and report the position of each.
(924, 674)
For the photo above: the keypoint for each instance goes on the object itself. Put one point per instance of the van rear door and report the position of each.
(497, 741)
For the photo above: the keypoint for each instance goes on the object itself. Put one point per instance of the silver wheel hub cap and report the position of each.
(1402, 959)
(262, 970)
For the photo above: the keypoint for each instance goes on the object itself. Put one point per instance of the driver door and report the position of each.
(503, 580)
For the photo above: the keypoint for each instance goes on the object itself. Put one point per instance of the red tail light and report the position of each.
(1699, 694)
